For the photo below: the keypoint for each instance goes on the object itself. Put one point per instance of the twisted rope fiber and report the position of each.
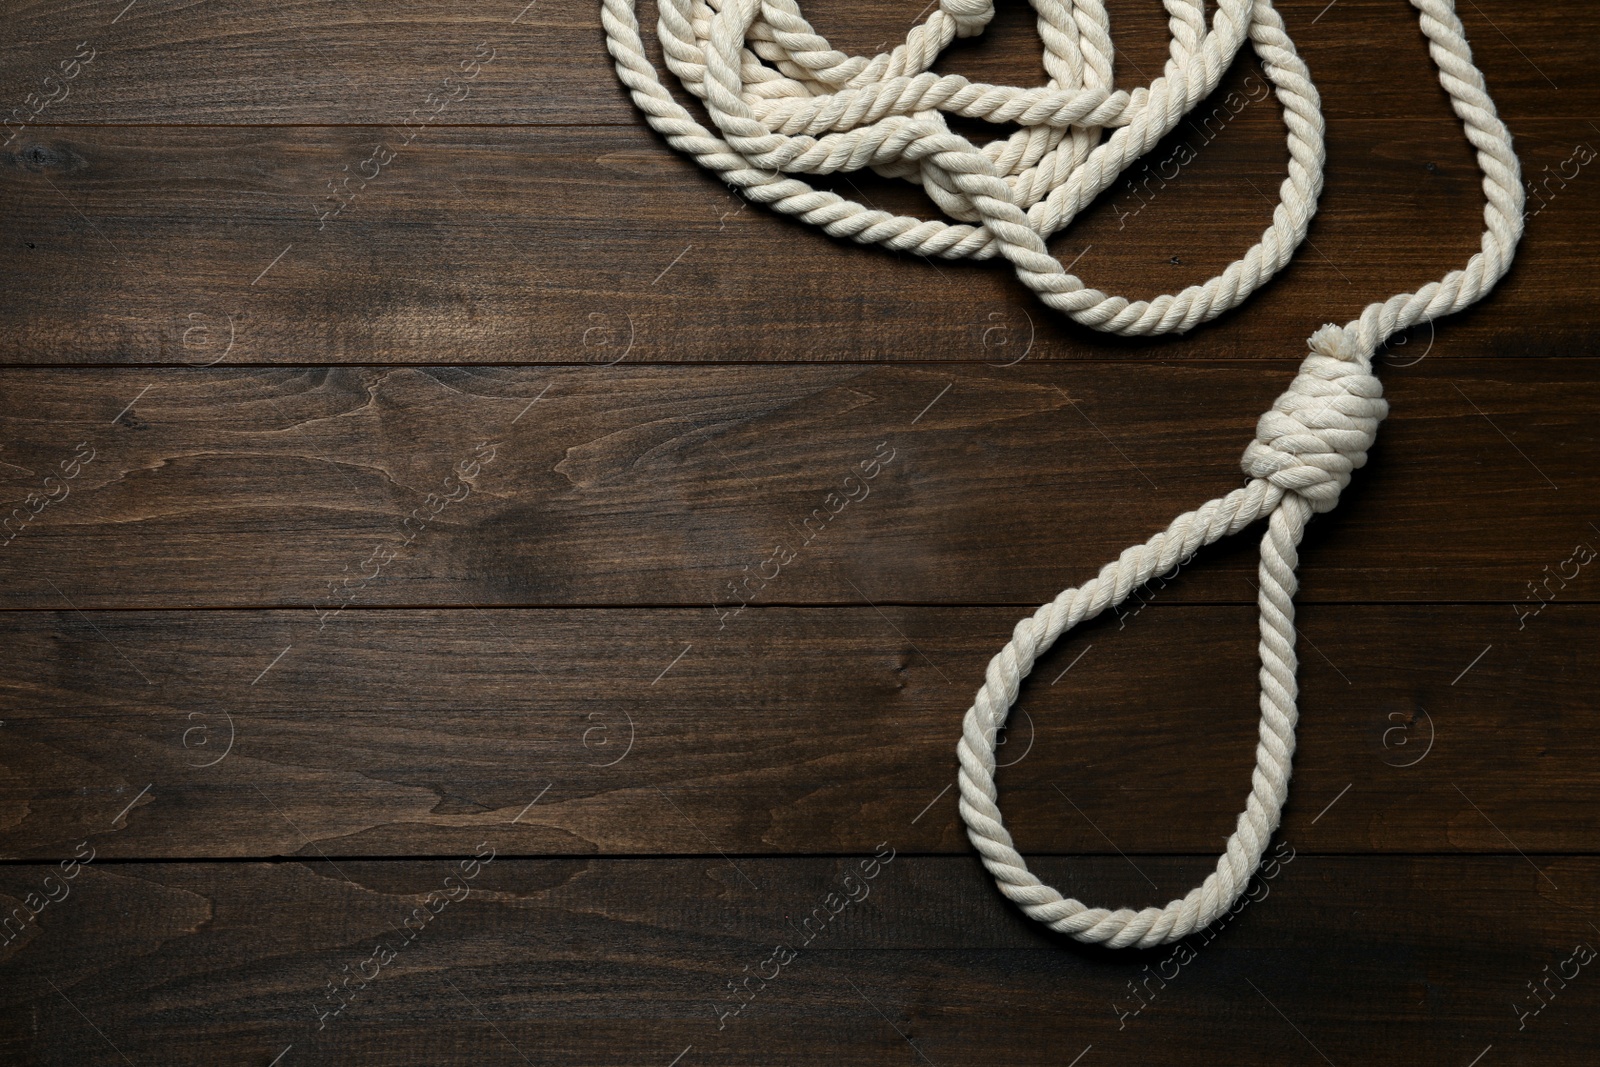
(785, 102)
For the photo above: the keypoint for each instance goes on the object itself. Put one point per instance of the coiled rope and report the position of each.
(785, 102)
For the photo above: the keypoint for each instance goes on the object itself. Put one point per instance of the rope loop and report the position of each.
(785, 102)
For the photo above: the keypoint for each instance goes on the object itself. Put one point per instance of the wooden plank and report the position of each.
(281, 692)
(307, 62)
(1378, 961)
(792, 730)
(300, 488)
(523, 245)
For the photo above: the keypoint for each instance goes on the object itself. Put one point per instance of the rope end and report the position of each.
(1333, 341)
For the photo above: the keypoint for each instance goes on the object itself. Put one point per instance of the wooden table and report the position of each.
(395, 453)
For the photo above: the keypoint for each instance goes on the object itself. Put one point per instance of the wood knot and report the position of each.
(39, 157)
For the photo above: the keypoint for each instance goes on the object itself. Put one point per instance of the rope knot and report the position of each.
(970, 16)
(1319, 430)
(941, 189)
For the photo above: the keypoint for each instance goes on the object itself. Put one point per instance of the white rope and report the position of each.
(785, 102)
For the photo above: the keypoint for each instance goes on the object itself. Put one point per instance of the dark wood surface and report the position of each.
(261, 716)
(809, 730)
(629, 961)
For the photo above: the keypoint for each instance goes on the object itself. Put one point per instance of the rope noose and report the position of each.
(785, 102)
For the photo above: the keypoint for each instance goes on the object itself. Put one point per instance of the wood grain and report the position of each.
(537, 245)
(354, 543)
(616, 962)
(790, 730)
(243, 487)
(308, 62)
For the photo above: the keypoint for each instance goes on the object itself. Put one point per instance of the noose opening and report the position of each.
(785, 102)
